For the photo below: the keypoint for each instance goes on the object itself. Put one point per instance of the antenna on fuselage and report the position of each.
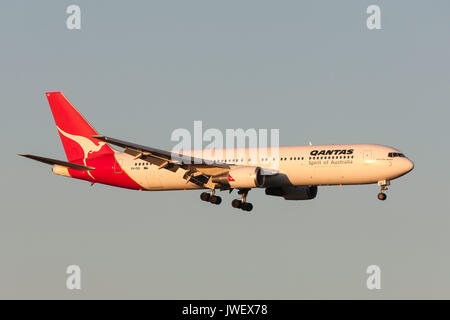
(310, 143)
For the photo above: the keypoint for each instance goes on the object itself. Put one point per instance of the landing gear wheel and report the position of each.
(382, 196)
(247, 206)
(215, 199)
(236, 203)
(205, 196)
(242, 203)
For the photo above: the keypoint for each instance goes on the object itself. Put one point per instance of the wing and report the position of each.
(199, 171)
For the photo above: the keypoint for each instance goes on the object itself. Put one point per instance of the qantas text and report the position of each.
(330, 152)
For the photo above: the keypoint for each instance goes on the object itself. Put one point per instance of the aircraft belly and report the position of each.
(333, 174)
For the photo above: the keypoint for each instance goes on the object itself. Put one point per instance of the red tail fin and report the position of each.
(75, 132)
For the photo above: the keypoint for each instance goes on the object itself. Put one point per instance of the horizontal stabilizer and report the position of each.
(58, 162)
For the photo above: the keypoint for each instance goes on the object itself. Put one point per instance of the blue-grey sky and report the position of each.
(138, 70)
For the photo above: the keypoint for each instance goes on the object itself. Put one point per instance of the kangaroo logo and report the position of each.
(86, 144)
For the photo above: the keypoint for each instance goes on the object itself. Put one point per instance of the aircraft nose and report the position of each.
(409, 165)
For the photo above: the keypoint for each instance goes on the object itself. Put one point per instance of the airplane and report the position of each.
(301, 169)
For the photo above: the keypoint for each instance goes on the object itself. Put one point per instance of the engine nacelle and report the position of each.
(294, 193)
(242, 177)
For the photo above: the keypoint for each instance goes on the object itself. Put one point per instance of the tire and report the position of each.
(382, 196)
(215, 199)
(236, 203)
(204, 196)
(247, 206)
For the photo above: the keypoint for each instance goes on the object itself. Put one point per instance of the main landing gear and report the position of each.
(236, 203)
(242, 204)
(210, 197)
(384, 186)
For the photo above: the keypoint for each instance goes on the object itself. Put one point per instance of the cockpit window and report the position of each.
(396, 154)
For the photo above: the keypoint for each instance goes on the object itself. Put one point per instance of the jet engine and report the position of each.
(242, 177)
(294, 193)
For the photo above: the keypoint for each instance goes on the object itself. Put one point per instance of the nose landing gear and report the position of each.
(384, 186)
(242, 204)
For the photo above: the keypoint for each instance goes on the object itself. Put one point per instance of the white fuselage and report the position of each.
(301, 165)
